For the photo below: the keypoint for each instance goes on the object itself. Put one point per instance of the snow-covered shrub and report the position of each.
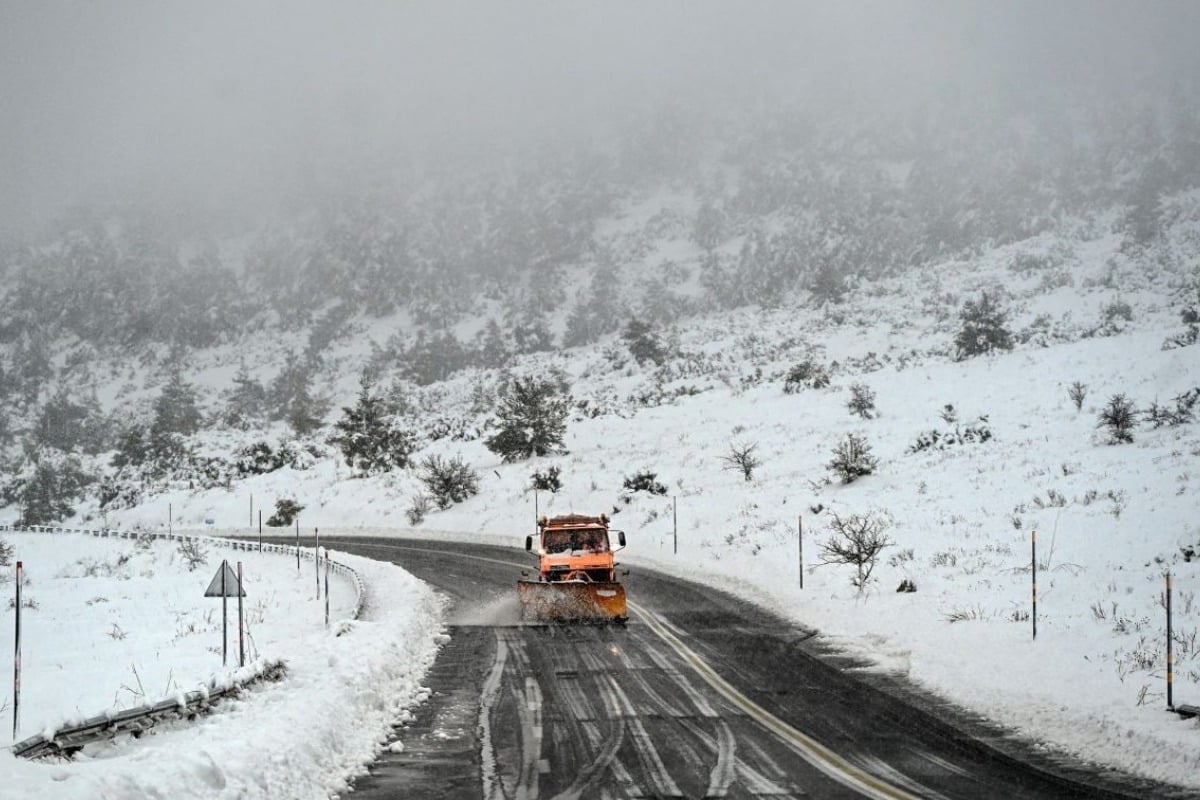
(1189, 336)
(852, 459)
(260, 458)
(644, 481)
(286, 511)
(547, 480)
(193, 553)
(6, 553)
(975, 432)
(806, 375)
(456, 429)
(449, 481)
(1119, 417)
(862, 401)
(982, 328)
(857, 539)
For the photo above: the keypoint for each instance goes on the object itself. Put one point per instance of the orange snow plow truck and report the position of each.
(577, 579)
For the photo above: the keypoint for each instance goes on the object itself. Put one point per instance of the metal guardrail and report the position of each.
(137, 720)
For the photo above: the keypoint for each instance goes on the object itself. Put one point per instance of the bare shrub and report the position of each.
(6, 553)
(1077, 392)
(852, 459)
(420, 505)
(856, 539)
(741, 458)
(1183, 412)
(862, 401)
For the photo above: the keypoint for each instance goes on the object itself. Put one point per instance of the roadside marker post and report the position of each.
(1033, 616)
(800, 546)
(317, 558)
(224, 616)
(297, 545)
(675, 523)
(241, 628)
(1170, 650)
(260, 530)
(17, 655)
(326, 587)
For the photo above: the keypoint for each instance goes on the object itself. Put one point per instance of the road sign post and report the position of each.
(221, 585)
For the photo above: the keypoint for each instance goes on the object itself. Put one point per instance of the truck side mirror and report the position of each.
(621, 538)
(528, 543)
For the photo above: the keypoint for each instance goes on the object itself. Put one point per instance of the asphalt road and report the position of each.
(700, 695)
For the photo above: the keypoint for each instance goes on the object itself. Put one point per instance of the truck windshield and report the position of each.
(575, 541)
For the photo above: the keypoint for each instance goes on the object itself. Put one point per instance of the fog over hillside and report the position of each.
(459, 186)
(231, 108)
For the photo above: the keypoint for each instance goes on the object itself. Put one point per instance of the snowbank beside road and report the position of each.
(301, 737)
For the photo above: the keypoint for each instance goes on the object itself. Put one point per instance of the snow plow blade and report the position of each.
(572, 601)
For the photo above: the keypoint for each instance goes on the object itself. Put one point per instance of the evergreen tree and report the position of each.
(491, 348)
(532, 419)
(246, 401)
(67, 424)
(46, 495)
(175, 410)
(644, 344)
(307, 413)
(368, 439)
(983, 329)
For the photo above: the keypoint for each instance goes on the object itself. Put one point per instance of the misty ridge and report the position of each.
(463, 186)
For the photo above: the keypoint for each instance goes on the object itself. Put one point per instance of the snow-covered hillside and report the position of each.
(960, 511)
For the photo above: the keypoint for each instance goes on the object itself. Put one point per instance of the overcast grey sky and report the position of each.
(217, 99)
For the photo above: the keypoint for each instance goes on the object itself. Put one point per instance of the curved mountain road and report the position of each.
(701, 695)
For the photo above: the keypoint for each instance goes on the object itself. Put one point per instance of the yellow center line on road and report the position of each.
(808, 748)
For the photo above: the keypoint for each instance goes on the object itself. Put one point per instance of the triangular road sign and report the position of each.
(232, 588)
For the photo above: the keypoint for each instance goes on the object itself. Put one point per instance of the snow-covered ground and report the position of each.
(115, 623)
(1110, 519)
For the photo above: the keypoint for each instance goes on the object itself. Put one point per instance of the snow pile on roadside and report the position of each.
(301, 737)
